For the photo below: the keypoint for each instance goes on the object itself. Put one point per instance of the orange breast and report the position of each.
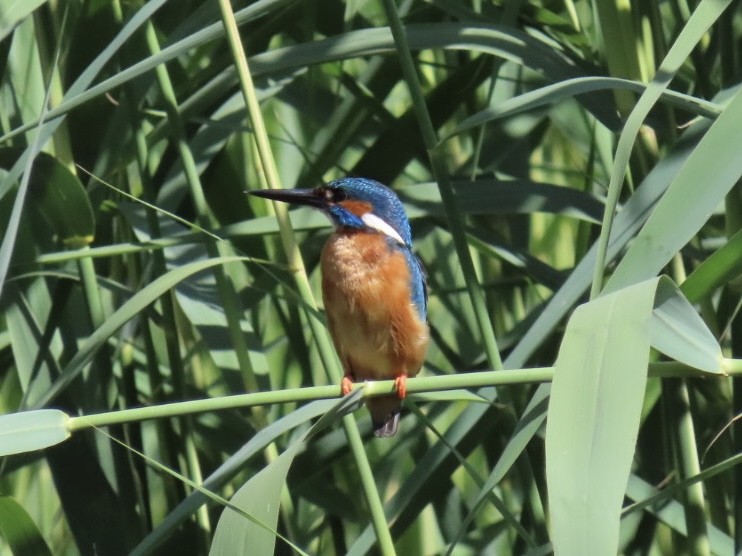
(376, 329)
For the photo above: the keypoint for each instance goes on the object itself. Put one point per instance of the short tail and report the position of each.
(385, 414)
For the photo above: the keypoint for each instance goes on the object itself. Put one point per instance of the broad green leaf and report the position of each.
(19, 531)
(593, 420)
(32, 430)
(596, 402)
(259, 497)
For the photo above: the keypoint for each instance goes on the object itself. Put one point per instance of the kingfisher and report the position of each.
(373, 288)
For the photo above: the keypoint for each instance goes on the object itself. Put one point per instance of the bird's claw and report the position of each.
(400, 385)
(346, 385)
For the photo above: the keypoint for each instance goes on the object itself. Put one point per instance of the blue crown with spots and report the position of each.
(384, 204)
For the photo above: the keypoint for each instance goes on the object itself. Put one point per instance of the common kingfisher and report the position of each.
(373, 287)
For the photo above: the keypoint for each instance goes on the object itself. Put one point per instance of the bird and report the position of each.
(373, 288)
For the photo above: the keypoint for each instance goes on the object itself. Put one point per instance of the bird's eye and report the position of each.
(334, 195)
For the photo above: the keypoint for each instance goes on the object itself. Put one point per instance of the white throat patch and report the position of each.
(373, 221)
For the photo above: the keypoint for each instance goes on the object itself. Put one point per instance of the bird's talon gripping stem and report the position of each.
(346, 385)
(400, 385)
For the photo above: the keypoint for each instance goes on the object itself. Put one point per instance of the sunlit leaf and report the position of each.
(593, 422)
(32, 430)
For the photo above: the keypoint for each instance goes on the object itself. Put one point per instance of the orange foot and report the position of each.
(400, 384)
(346, 385)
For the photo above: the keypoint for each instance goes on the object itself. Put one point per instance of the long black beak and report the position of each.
(309, 197)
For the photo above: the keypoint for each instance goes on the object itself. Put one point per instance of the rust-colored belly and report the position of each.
(377, 330)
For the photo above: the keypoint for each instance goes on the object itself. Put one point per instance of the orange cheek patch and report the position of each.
(359, 208)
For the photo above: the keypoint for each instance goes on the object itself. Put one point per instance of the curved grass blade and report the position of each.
(261, 495)
(509, 44)
(233, 465)
(77, 89)
(664, 234)
(705, 14)
(628, 222)
(673, 513)
(123, 314)
(505, 196)
(570, 88)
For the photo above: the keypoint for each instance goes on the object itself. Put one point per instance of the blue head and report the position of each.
(357, 203)
(362, 204)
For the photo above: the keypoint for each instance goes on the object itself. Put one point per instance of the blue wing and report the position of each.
(418, 286)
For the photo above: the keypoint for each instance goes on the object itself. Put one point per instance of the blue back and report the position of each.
(417, 284)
